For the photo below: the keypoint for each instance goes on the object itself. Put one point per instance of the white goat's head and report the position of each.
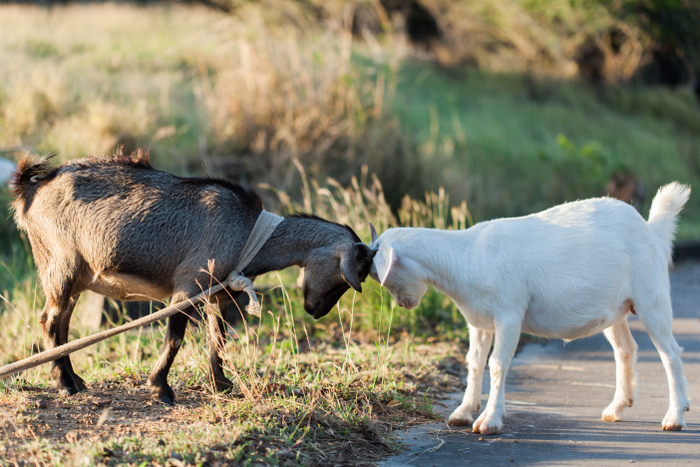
(401, 275)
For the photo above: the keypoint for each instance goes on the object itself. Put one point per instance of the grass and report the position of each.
(290, 408)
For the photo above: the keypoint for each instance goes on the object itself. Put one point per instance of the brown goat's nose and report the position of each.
(309, 307)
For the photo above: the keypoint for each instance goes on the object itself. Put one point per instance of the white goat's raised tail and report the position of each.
(665, 207)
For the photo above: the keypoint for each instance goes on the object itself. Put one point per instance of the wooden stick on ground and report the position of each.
(66, 349)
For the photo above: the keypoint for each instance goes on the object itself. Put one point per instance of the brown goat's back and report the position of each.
(99, 218)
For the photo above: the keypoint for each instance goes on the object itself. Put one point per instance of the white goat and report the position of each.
(567, 272)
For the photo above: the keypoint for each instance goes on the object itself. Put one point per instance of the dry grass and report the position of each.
(309, 414)
(303, 395)
(198, 87)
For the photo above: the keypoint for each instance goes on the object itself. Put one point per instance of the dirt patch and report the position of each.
(115, 422)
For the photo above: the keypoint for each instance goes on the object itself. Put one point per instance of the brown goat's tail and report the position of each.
(30, 169)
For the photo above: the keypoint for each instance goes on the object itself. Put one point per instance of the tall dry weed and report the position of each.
(270, 100)
(240, 95)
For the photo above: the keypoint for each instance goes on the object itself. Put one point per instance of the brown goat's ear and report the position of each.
(364, 252)
(349, 269)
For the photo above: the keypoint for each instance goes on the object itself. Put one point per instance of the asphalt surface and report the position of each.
(556, 392)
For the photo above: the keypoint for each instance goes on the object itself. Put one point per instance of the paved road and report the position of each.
(555, 394)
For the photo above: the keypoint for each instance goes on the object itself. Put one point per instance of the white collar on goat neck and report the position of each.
(263, 228)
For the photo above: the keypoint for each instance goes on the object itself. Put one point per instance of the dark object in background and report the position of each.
(623, 185)
(687, 250)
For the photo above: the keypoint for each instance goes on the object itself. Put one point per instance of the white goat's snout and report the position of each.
(406, 303)
(402, 282)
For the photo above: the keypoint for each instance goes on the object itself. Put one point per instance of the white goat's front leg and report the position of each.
(625, 349)
(479, 346)
(507, 333)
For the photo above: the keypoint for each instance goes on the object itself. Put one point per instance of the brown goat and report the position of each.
(120, 228)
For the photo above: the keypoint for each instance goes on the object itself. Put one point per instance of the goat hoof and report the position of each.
(223, 385)
(672, 427)
(71, 388)
(68, 391)
(489, 430)
(165, 400)
(485, 429)
(673, 421)
(80, 383)
(459, 421)
(487, 425)
(163, 395)
(68, 384)
(462, 416)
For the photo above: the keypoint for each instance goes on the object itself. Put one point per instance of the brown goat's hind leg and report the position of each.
(54, 321)
(158, 379)
(217, 339)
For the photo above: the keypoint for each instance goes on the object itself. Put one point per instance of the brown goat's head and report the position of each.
(329, 274)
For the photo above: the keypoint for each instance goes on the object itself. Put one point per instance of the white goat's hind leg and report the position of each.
(658, 320)
(479, 346)
(507, 334)
(625, 349)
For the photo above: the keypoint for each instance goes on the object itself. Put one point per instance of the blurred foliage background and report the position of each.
(510, 105)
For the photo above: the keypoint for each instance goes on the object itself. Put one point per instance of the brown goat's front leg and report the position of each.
(158, 379)
(217, 340)
(55, 321)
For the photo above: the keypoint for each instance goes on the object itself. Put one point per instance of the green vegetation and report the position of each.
(511, 147)
(329, 113)
(242, 96)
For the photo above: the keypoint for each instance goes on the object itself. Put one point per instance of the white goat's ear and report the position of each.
(384, 261)
(373, 233)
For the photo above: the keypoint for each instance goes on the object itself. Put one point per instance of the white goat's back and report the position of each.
(667, 203)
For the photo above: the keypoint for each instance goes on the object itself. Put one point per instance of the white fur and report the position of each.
(567, 272)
